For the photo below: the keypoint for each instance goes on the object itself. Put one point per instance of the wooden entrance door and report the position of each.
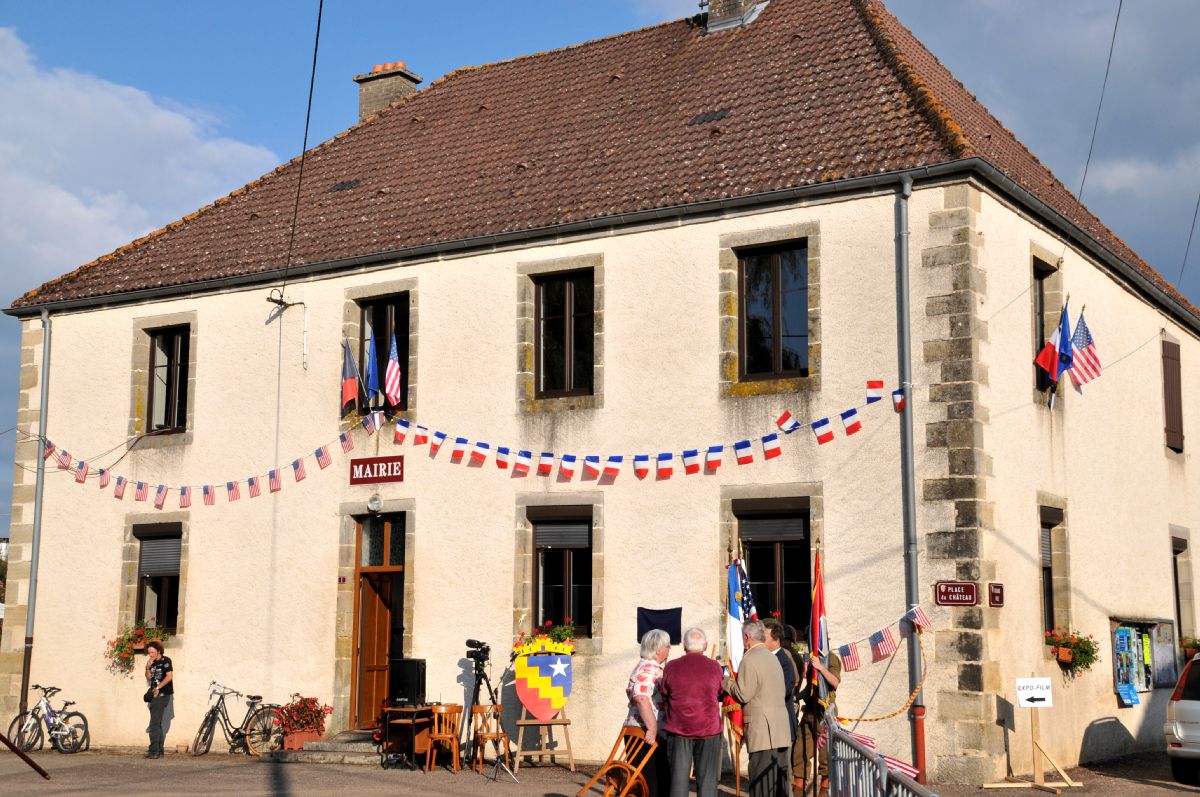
(378, 614)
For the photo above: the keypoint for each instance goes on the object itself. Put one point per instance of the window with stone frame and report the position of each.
(562, 567)
(159, 553)
(1054, 569)
(1045, 285)
(167, 405)
(383, 323)
(564, 333)
(773, 311)
(775, 540)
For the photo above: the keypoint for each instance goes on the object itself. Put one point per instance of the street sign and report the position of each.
(1034, 693)
(377, 470)
(956, 593)
(995, 595)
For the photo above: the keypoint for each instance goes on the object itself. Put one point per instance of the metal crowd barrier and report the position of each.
(857, 771)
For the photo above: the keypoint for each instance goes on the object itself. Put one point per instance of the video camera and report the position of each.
(478, 652)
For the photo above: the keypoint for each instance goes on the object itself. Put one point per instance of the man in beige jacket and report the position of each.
(760, 689)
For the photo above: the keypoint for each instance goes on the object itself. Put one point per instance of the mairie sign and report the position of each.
(543, 677)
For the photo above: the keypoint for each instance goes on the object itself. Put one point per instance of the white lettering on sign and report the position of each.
(1034, 693)
(377, 470)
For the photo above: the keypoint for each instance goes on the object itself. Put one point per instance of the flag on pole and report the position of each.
(849, 656)
(666, 465)
(523, 463)
(349, 378)
(742, 452)
(691, 460)
(119, 488)
(874, 390)
(545, 465)
(372, 370)
(105, 477)
(255, 486)
(787, 423)
(850, 421)
(185, 497)
(139, 492)
(818, 628)
(459, 449)
(402, 427)
(421, 436)
(770, 446)
(347, 442)
(712, 457)
(479, 452)
(641, 465)
(502, 454)
(1056, 357)
(883, 644)
(741, 610)
(391, 379)
(1086, 363)
(591, 465)
(274, 482)
(613, 466)
(822, 431)
(567, 466)
(919, 618)
(233, 491)
(323, 458)
(898, 400)
(81, 472)
(160, 496)
(209, 494)
(298, 469)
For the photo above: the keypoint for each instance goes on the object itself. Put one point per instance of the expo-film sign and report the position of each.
(377, 470)
(956, 593)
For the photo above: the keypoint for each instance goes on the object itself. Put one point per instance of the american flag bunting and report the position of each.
(105, 477)
(233, 491)
(896, 765)
(347, 442)
(323, 458)
(254, 486)
(883, 644)
(81, 472)
(185, 497)
(274, 482)
(49, 450)
(849, 656)
(63, 458)
(370, 423)
(160, 496)
(298, 469)
(209, 494)
(919, 617)
(119, 488)
(139, 492)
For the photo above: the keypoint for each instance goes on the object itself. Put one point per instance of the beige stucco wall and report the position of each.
(261, 595)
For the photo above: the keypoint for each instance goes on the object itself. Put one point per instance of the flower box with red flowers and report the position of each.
(1075, 652)
(302, 719)
(132, 639)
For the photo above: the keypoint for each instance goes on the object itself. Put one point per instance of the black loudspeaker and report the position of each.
(407, 677)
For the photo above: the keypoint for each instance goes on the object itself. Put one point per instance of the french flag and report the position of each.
(421, 437)
(402, 427)
(641, 465)
(479, 452)
(105, 477)
(210, 494)
(613, 466)
(436, 443)
(786, 423)
(185, 497)
(770, 445)
(712, 457)
(874, 390)
(160, 496)
(691, 460)
(502, 457)
(743, 452)
(119, 488)
(81, 472)
(274, 482)
(822, 431)
(298, 469)
(666, 465)
(323, 458)
(347, 442)
(567, 467)
(898, 400)
(850, 421)
(545, 463)
(255, 486)
(460, 448)
(524, 460)
(591, 465)
(233, 491)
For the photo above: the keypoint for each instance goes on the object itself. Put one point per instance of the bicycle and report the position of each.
(68, 729)
(258, 732)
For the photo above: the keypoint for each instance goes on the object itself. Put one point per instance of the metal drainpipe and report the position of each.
(907, 470)
(37, 511)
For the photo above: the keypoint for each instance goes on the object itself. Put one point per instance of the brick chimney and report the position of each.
(383, 85)
(725, 14)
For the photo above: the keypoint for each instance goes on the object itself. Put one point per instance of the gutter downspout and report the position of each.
(35, 545)
(907, 469)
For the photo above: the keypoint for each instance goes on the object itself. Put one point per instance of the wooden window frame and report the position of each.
(1042, 271)
(1172, 396)
(403, 348)
(543, 514)
(539, 283)
(388, 529)
(774, 251)
(1049, 519)
(800, 507)
(175, 407)
(158, 531)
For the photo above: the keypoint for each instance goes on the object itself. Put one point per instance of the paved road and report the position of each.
(104, 773)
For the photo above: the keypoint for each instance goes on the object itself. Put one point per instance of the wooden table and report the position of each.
(412, 723)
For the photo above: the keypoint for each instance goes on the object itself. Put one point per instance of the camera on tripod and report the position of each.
(478, 652)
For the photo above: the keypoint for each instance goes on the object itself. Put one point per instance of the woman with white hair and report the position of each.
(645, 703)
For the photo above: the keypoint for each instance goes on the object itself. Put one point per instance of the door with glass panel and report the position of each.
(378, 612)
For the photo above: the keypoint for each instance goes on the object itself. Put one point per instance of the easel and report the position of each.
(542, 725)
(1039, 775)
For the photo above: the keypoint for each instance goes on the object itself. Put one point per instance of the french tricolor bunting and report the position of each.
(523, 463)
(665, 465)
(567, 466)
(770, 446)
(613, 466)
(436, 444)
(402, 427)
(898, 400)
(742, 452)
(545, 463)
(502, 456)
(479, 452)
(874, 390)
(786, 423)
(691, 460)
(822, 431)
(641, 465)
(850, 421)
(712, 457)
(591, 465)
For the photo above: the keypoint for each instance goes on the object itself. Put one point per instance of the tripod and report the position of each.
(481, 678)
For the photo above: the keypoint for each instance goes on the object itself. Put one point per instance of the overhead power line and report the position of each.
(1103, 87)
(1188, 248)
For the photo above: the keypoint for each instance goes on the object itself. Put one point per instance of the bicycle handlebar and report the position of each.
(225, 690)
(48, 691)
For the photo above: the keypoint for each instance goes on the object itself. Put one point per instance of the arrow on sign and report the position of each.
(1035, 700)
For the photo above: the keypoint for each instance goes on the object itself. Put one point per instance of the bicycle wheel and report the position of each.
(70, 736)
(204, 736)
(263, 733)
(26, 732)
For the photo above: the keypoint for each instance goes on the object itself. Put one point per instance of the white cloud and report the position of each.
(87, 165)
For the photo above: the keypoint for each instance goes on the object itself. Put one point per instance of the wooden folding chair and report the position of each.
(485, 722)
(446, 720)
(622, 772)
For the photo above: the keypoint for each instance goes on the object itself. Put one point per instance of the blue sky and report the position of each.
(121, 116)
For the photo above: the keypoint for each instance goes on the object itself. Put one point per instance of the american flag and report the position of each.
(323, 458)
(347, 442)
(369, 423)
(918, 616)
(1086, 366)
(255, 488)
(210, 495)
(391, 378)
(139, 493)
(849, 656)
(896, 765)
(274, 483)
(233, 491)
(119, 488)
(49, 449)
(105, 477)
(298, 469)
(863, 739)
(160, 496)
(883, 644)
(185, 497)
(402, 427)
(64, 458)
(81, 472)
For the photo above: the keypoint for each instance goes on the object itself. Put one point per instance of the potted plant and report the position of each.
(301, 720)
(130, 640)
(1074, 652)
(561, 633)
(1191, 646)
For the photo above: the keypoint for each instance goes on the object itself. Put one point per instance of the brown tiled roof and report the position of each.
(813, 90)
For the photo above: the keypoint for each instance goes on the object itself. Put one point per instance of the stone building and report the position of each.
(650, 243)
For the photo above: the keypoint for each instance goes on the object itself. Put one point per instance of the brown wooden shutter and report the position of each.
(1172, 395)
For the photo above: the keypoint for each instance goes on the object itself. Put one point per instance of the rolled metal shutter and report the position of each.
(773, 527)
(562, 534)
(160, 557)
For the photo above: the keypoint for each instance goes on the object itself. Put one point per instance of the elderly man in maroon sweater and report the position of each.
(691, 690)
